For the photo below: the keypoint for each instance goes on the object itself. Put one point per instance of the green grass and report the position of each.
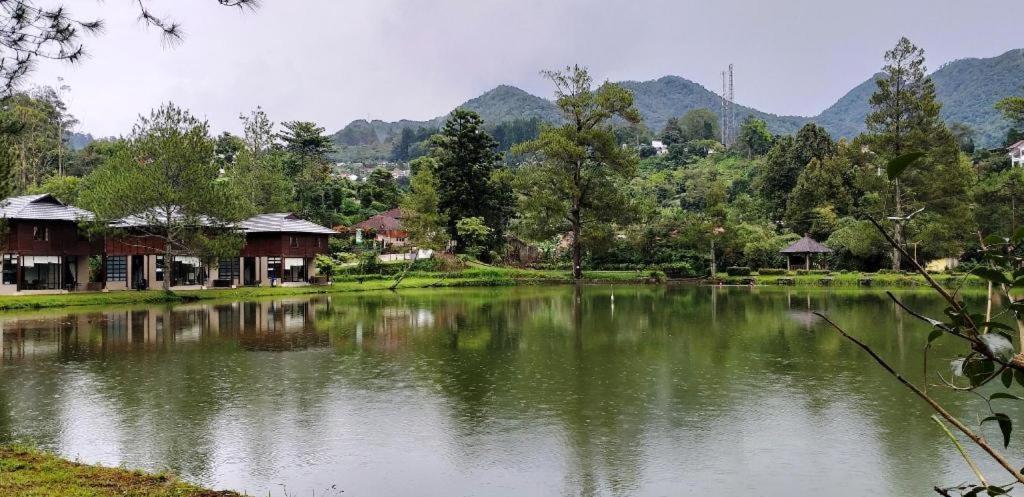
(854, 279)
(30, 473)
(475, 275)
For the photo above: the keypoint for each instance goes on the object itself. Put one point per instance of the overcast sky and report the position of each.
(332, 61)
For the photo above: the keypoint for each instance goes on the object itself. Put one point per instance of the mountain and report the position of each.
(967, 88)
(78, 141)
(502, 104)
(672, 96)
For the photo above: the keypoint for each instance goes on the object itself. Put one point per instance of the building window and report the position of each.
(228, 269)
(10, 269)
(159, 268)
(117, 268)
(316, 242)
(186, 270)
(294, 269)
(293, 241)
(274, 268)
(41, 234)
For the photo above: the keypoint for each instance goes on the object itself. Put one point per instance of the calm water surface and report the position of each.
(622, 390)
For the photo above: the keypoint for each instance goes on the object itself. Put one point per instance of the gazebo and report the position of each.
(805, 247)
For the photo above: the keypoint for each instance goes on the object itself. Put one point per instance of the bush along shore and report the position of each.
(826, 278)
(31, 473)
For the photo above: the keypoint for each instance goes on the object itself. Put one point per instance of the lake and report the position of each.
(605, 390)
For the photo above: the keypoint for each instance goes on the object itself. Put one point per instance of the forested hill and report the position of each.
(502, 104)
(967, 88)
(672, 96)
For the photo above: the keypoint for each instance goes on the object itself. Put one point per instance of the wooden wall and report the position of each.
(64, 239)
(279, 244)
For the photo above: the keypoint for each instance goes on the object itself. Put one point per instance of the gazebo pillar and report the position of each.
(807, 261)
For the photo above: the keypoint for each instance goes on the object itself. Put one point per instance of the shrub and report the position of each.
(805, 272)
(657, 276)
(679, 270)
(771, 272)
(738, 271)
(786, 281)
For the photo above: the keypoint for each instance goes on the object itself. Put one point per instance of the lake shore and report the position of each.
(853, 280)
(475, 276)
(39, 474)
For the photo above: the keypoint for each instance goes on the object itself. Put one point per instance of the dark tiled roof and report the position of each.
(282, 222)
(44, 207)
(385, 221)
(806, 245)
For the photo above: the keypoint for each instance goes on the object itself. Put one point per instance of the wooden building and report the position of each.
(279, 249)
(44, 251)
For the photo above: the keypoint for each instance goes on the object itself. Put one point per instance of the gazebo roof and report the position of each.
(806, 245)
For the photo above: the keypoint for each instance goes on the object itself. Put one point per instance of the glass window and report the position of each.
(40, 233)
(294, 241)
(41, 272)
(186, 270)
(294, 269)
(274, 268)
(228, 269)
(159, 268)
(10, 269)
(117, 268)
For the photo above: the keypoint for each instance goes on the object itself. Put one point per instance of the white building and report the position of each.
(1017, 153)
(659, 147)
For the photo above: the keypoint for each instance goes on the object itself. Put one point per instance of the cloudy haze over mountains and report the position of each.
(335, 61)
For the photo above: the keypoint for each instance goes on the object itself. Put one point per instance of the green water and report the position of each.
(621, 390)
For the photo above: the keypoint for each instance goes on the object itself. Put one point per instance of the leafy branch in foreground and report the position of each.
(30, 31)
(991, 353)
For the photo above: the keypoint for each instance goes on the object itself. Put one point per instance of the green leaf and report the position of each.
(996, 326)
(1018, 235)
(994, 240)
(896, 166)
(933, 335)
(1005, 426)
(1007, 379)
(1019, 376)
(994, 490)
(1004, 395)
(998, 346)
(990, 274)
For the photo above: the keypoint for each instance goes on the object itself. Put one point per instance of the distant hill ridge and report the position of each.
(967, 88)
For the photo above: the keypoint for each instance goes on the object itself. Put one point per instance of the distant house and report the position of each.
(659, 147)
(1016, 153)
(385, 227)
(43, 248)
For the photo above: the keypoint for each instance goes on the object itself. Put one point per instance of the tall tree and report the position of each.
(905, 118)
(581, 167)
(379, 191)
(167, 180)
(421, 208)
(697, 124)
(820, 188)
(306, 144)
(258, 169)
(786, 160)
(754, 139)
(466, 165)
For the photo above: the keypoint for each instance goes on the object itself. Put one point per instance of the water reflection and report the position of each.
(268, 325)
(523, 391)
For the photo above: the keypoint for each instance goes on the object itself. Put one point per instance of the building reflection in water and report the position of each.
(262, 326)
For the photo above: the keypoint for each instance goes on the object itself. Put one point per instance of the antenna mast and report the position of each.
(728, 112)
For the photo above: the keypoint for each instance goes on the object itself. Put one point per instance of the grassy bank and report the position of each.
(30, 473)
(475, 275)
(854, 279)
